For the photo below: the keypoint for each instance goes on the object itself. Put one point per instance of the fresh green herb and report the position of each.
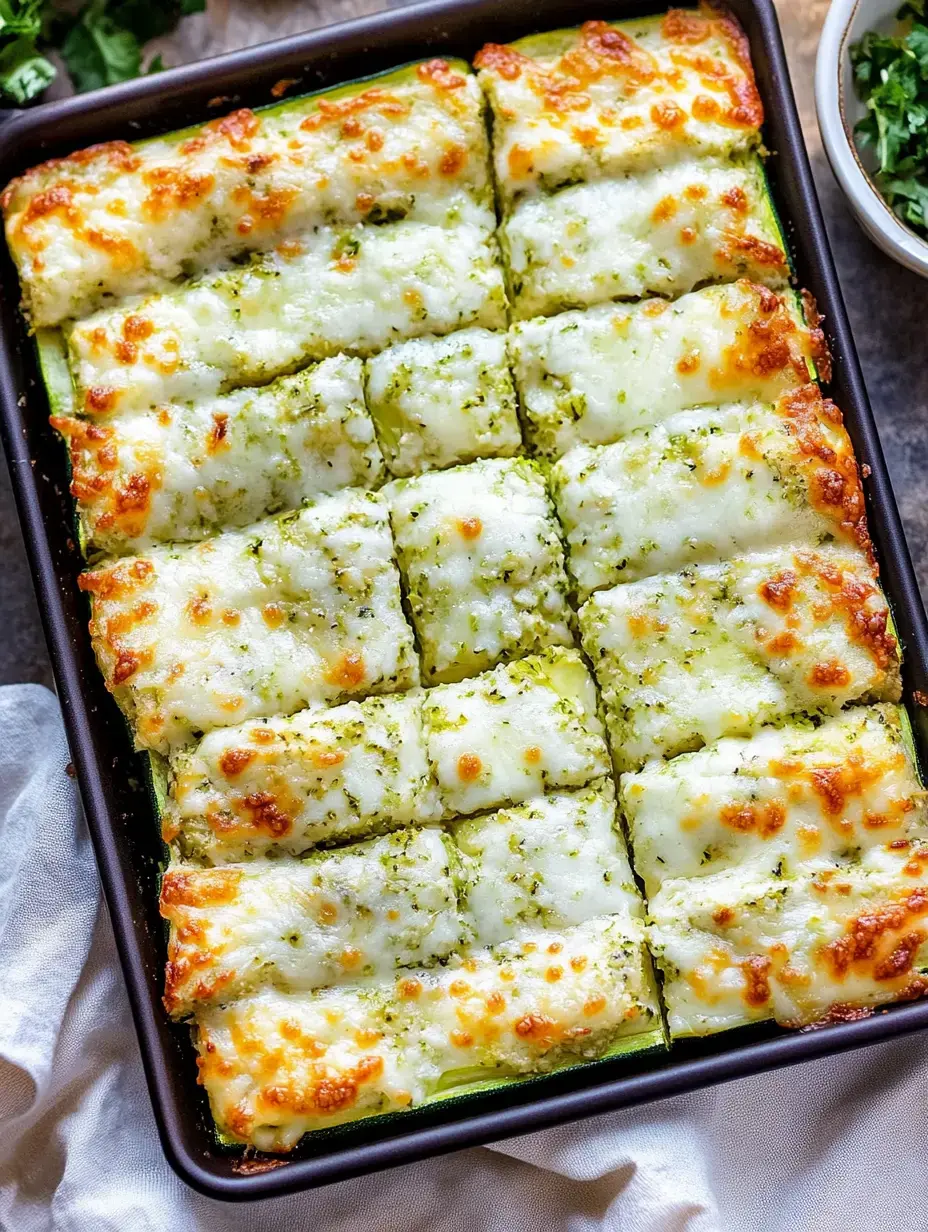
(100, 44)
(891, 76)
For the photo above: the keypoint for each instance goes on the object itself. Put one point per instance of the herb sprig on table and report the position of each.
(101, 43)
(891, 75)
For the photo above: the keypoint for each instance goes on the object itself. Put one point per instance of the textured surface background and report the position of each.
(888, 306)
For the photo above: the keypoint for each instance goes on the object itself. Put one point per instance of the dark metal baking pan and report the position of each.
(118, 809)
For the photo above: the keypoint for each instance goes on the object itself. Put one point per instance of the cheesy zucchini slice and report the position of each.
(607, 97)
(746, 944)
(187, 471)
(721, 650)
(591, 377)
(662, 232)
(118, 219)
(707, 484)
(277, 1066)
(800, 792)
(514, 732)
(354, 289)
(297, 609)
(288, 784)
(483, 565)
(553, 862)
(441, 401)
(330, 918)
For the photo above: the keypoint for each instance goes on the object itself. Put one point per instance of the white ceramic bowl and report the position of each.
(839, 109)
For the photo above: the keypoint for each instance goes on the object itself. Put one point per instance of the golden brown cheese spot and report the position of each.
(706, 109)
(117, 581)
(871, 940)
(578, 962)
(736, 199)
(764, 820)
(684, 26)
(696, 192)
(99, 399)
(233, 761)
(668, 115)
(348, 671)
(723, 916)
(266, 814)
(409, 989)
(533, 754)
(829, 675)
(495, 1003)
(458, 988)
(595, 1005)
(779, 591)
(756, 969)
(364, 202)
(337, 111)
(665, 209)
(127, 664)
(469, 767)
(440, 73)
(785, 643)
(237, 128)
(453, 160)
(717, 475)
(688, 235)
(199, 610)
(469, 528)
(461, 1039)
(171, 189)
(327, 759)
(688, 364)
(327, 913)
(820, 352)
(280, 88)
(540, 1030)
(506, 62)
(273, 615)
(553, 974)
(207, 887)
(835, 785)
(738, 246)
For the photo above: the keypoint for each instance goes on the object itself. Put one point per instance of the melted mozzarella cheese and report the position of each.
(353, 289)
(288, 784)
(483, 564)
(440, 401)
(592, 377)
(302, 608)
(608, 97)
(330, 918)
(278, 1065)
(119, 219)
(553, 862)
(718, 650)
(799, 792)
(662, 232)
(187, 471)
(705, 485)
(514, 732)
(744, 945)
(530, 1006)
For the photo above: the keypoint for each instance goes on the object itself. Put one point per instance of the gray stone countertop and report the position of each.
(888, 306)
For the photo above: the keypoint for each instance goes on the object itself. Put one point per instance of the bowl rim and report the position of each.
(876, 217)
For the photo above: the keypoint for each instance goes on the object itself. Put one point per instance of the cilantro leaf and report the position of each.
(891, 77)
(24, 73)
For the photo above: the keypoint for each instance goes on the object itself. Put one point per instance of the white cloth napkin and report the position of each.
(830, 1146)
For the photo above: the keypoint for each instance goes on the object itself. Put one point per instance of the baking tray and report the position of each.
(111, 778)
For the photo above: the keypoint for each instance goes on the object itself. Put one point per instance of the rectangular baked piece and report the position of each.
(288, 784)
(659, 232)
(330, 918)
(119, 219)
(798, 792)
(610, 97)
(483, 565)
(708, 484)
(514, 732)
(746, 944)
(276, 1066)
(354, 289)
(591, 377)
(547, 864)
(297, 609)
(721, 650)
(188, 470)
(442, 401)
